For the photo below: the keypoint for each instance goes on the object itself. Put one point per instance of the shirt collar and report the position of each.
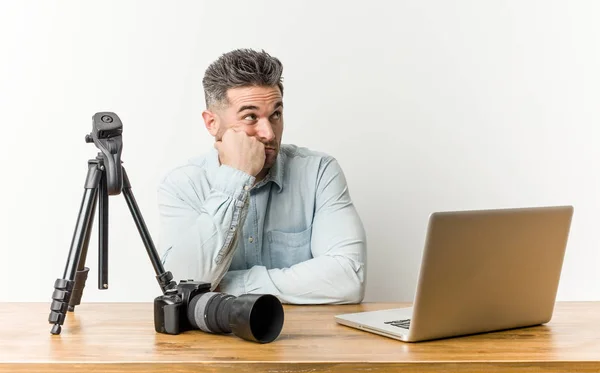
(276, 172)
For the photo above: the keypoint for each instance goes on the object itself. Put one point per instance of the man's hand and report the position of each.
(238, 150)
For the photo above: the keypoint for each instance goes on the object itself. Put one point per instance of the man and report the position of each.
(253, 215)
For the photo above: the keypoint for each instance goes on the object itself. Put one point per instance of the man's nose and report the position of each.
(265, 131)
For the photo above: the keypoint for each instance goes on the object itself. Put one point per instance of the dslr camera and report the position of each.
(191, 305)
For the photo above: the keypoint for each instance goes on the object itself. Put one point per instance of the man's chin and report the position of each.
(270, 158)
(266, 169)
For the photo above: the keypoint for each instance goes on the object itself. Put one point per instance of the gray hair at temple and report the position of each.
(240, 68)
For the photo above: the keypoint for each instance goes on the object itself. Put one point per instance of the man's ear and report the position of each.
(211, 122)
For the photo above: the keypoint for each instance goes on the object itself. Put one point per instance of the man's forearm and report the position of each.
(199, 240)
(324, 280)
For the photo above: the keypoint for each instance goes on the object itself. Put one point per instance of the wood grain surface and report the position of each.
(118, 337)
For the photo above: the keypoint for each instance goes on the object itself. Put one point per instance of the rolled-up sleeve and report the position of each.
(198, 227)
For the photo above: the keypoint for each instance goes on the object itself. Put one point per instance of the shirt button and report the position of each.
(251, 239)
(246, 187)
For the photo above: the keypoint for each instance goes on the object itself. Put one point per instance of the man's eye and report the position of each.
(250, 117)
(276, 115)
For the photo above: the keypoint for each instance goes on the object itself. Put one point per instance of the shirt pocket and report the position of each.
(289, 248)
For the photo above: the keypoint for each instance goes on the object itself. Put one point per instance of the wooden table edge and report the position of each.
(491, 366)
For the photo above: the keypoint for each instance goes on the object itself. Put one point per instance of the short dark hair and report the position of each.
(240, 68)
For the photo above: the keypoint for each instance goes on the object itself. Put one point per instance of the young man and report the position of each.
(254, 215)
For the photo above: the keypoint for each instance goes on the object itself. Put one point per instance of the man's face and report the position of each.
(258, 111)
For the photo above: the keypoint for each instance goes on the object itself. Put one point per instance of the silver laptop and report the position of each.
(481, 271)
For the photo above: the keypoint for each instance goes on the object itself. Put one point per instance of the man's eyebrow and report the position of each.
(278, 105)
(247, 107)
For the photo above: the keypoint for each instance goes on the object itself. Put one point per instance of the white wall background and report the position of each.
(428, 105)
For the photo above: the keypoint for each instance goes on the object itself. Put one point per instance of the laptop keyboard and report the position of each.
(404, 324)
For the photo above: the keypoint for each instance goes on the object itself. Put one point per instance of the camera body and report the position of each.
(170, 309)
(190, 305)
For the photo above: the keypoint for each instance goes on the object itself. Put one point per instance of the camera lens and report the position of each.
(253, 317)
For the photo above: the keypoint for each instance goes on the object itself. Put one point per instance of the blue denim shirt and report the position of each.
(296, 234)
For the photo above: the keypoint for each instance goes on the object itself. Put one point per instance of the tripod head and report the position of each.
(106, 134)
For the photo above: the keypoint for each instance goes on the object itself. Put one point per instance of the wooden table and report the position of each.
(120, 337)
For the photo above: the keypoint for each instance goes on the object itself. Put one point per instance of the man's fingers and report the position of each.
(232, 130)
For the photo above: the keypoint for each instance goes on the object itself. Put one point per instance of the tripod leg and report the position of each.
(63, 287)
(82, 270)
(164, 278)
(103, 235)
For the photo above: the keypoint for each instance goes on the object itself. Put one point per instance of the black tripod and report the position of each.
(105, 177)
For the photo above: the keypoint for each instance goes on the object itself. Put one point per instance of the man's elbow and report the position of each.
(356, 285)
(354, 294)
(354, 290)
